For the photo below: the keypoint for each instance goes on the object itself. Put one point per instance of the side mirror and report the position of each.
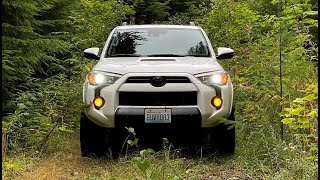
(91, 53)
(225, 53)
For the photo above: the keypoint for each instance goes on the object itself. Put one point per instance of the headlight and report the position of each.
(98, 78)
(218, 79)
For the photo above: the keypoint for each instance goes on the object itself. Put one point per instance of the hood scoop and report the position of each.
(157, 59)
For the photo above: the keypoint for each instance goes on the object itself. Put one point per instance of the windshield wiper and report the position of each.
(166, 55)
(124, 55)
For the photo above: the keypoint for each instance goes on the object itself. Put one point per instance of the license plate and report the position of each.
(157, 115)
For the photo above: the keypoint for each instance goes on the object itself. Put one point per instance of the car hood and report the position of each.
(124, 65)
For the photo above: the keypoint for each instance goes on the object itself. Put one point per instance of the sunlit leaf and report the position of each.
(297, 111)
(310, 97)
(299, 100)
(313, 113)
(287, 120)
(310, 13)
(146, 151)
(311, 158)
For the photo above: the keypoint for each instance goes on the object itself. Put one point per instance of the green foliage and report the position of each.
(148, 11)
(187, 8)
(302, 118)
(145, 164)
(57, 101)
(43, 67)
(30, 54)
(29, 48)
(261, 154)
(160, 11)
(43, 71)
(135, 140)
(255, 70)
(13, 167)
(94, 20)
(142, 162)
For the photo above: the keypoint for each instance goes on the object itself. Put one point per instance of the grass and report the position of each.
(263, 155)
(259, 155)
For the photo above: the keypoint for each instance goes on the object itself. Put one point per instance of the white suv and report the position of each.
(165, 82)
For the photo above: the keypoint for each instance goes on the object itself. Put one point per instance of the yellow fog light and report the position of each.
(216, 102)
(98, 102)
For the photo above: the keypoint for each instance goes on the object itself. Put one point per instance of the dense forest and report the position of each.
(274, 72)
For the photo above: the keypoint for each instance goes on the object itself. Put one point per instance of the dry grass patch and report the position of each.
(64, 161)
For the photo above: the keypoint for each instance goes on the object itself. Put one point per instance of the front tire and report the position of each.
(222, 137)
(94, 139)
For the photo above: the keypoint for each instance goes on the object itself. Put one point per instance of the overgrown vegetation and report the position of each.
(43, 71)
(43, 67)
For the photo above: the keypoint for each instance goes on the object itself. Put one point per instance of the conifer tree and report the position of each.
(32, 45)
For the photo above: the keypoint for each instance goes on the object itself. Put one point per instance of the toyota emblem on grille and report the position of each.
(158, 81)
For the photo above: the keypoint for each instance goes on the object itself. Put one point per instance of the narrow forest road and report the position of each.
(67, 163)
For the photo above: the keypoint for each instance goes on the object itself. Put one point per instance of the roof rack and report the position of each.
(124, 23)
(191, 23)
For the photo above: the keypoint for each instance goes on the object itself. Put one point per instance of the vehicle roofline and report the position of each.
(157, 26)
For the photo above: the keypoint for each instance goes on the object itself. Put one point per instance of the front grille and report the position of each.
(158, 98)
(168, 79)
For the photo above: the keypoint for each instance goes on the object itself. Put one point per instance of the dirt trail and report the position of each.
(67, 163)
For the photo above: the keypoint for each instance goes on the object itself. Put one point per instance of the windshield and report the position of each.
(155, 42)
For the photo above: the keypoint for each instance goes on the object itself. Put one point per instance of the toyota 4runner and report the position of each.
(165, 82)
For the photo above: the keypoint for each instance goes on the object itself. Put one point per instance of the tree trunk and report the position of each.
(4, 143)
(132, 20)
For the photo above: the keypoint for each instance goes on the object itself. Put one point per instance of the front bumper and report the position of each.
(184, 127)
(181, 118)
(105, 116)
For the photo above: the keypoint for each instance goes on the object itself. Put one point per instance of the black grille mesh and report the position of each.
(168, 79)
(158, 98)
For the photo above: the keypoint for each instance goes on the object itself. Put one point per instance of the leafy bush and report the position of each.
(56, 102)
(255, 73)
(43, 67)
(302, 118)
